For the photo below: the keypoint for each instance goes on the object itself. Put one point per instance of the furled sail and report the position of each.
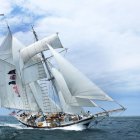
(28, 52)
(69, 99)
(78, 84)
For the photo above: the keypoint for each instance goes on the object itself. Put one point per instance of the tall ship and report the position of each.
(47, 92)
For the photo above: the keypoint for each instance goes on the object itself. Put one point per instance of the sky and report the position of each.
(102, 37)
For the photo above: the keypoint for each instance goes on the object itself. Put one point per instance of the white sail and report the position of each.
(9, 96)
(33, 104)
(66, 107)
(5, 47)
(33, 70)
(53, 107)
(10, 59)
(69, 99)
(39, 46)
(78, 84)
(30, 72)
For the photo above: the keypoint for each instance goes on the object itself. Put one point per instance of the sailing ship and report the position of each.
(43, 94)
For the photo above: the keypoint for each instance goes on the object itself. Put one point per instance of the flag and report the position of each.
(12, 82)
(13, 113)
(12, 72)
(13, 77)
(16, 90)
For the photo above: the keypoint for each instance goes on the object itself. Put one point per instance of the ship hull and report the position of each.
(83, 124)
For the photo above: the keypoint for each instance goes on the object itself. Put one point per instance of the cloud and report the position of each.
(106, 30)
(5, 7)
(103, 36)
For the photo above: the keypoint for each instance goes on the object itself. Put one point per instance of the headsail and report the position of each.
(69, 99)
(66, 107)
(70, 109)
(78, 84)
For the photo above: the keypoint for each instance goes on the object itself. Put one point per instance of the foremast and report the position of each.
(49, 74)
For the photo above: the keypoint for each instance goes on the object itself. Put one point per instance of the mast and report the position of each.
(50, 77)
(42, 54)
(6, 22)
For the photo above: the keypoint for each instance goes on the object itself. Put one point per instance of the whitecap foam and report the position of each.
(21, 126)
(17, 126)
(71, 128)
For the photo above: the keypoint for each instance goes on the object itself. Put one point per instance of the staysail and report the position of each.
(78, 84)
(66, 107)
(69, 99)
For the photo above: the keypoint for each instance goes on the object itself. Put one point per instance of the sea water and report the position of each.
(113, 128)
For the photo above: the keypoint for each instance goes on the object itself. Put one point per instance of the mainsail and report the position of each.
(9, 96)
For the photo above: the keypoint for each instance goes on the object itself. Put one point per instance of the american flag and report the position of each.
(16, 90)
(13, 77)
(13, 113)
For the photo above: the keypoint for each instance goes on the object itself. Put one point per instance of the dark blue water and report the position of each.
(118, 128)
